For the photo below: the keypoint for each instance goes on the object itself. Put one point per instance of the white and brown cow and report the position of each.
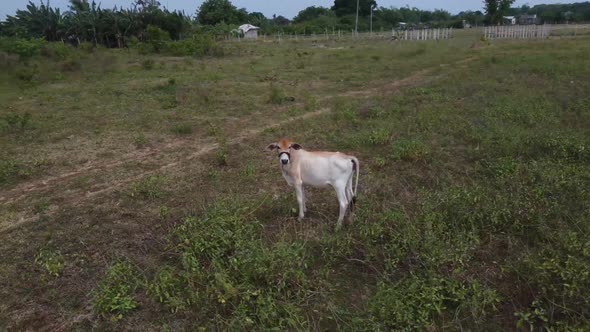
(318, 169)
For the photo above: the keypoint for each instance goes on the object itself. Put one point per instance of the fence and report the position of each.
(423, 34)
(418, 34)
(517, 31)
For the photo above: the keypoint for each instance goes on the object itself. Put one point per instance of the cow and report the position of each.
(318, 169)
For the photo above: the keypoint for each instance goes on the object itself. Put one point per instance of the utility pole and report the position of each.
(356, 25)
(371, 25)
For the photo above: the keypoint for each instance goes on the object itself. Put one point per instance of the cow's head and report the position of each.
(284, 148)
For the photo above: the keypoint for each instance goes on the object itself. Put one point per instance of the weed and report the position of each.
(310, 103)
(140, 141)
(213, 130)
(51, 260)
(379, 137)
(182, 129)
(410, 150)
(15, 123)
(249, 171)
(71, 65)
(11, 170)
(114, 295)
(41, 206)
(149, 188)
(222, 155)
(380, 161)
(277, 96)
(148, 64)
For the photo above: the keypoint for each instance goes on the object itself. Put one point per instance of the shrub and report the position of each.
(88, 47)
(156, 37)
(28, 73)
(56, 50)
(7, 60)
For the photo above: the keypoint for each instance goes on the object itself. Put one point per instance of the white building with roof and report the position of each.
(249, 31)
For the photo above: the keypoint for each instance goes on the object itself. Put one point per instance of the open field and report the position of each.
(136, 192)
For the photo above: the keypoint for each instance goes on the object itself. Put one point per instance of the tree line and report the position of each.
(86, 21)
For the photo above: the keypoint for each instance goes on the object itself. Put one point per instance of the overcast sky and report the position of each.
(287, 8)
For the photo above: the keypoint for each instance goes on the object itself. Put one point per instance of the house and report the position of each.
(509, 20)
(528, 19)
(249, 31)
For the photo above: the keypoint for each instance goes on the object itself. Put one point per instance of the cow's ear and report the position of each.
(272, 146)
(296, 146)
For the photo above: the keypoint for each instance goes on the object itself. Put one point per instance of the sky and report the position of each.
(287, 8)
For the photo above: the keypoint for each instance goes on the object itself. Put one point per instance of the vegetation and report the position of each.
(136, 193)
(86, 22)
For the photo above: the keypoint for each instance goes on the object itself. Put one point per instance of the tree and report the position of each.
(311, 13)
(495, 9)
(37, 22)
(212, 12)
(348, 7)
(280, 20)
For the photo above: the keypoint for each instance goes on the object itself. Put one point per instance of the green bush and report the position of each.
(22, 47)
(195, 46)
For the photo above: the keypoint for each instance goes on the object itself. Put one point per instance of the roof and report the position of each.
(247, 27)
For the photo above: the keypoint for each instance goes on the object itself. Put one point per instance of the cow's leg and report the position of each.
(300, 199)
(304, 199)
(350, 194)
(342, 201)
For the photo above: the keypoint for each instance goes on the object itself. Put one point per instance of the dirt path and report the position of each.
(74, 197)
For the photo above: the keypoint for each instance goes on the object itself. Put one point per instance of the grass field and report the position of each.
(136, 192)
